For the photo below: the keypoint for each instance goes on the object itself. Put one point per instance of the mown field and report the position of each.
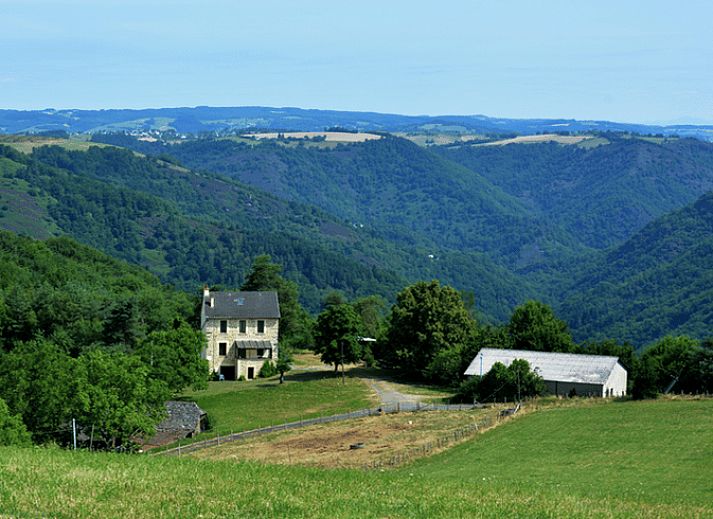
(638, 459)
(239, 406)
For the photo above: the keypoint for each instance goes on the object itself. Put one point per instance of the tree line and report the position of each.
(431, 335)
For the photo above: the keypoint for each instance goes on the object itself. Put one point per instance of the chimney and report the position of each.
(206, 291)
(212, 302)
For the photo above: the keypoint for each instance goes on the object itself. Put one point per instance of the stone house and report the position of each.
(241, 329)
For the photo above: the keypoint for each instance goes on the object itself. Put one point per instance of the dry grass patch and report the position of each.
(328, 136)
(408, 435)
(535, 139)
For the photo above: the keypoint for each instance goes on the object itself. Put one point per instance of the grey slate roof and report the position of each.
(560, 367)
(242, 305)
(181, 416)
(253, 345)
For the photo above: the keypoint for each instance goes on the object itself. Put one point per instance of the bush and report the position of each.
(12, 430)
(268, 370)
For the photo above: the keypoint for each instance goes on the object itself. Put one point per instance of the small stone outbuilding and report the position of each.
(183, 420)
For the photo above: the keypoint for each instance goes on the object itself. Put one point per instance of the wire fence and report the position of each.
(442, 441)
(362, 413)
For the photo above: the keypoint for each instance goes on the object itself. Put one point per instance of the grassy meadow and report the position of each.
(631, 459)
(239, 406)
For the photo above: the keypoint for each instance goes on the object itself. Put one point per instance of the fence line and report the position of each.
(440, 442)
(362, 413)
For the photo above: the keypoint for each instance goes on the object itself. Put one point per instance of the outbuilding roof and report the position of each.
(241, 305)
(252, 345)
(560, 367)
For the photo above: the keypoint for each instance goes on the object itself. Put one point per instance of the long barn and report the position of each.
(563, 373)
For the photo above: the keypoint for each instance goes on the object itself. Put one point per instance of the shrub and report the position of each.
(268, 370)
(12, 430)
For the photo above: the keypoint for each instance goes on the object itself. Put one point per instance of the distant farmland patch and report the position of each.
(536, 139)
(328, 136)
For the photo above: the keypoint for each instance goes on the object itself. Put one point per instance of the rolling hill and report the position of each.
(192, 228)
(205, 119)
(542, 221)
(398, 190)
(660, 282)
(601, 194)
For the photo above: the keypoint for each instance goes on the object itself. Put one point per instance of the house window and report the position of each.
(223, 326)
(243, 326)
(261, 327)
(260, 353)
(222, 348)
(242, 354)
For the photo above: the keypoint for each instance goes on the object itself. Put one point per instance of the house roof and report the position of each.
(242, 305)
(560, 367)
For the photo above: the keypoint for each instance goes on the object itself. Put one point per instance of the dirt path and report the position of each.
(388, 395)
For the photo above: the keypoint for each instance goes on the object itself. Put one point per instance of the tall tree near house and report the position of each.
(174, 356)
(295, 322)
(336, 336)
(534, 326)
(428, 325)
(284, 362)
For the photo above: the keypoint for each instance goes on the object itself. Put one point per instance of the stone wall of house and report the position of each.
(214, 337)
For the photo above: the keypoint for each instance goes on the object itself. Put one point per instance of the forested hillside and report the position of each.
(370, 218)
(79, 336)
(191, 228)
(402, 192)
(601, 194)
(660, 282)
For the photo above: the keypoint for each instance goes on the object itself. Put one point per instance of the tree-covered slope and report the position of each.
(659, 282)
(193, 228)
(72, 294)
(401, 192)
(603, 194)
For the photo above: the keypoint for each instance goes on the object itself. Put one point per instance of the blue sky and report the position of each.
(636, 61)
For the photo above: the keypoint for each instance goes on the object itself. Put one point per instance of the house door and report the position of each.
(251, 373)
(228, 372)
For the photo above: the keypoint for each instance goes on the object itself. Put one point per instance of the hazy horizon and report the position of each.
(637, 62)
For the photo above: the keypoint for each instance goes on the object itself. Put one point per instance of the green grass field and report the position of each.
(240, 406)
(632, 459)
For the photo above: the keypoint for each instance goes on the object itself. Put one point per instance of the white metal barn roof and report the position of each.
(561, 367)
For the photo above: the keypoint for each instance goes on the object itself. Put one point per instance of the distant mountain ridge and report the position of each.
(226, 119)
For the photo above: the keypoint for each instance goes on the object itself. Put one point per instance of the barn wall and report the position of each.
(564, 388)
(616, 383)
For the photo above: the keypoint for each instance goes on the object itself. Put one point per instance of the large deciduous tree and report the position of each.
(673, 364)
(117, 398)
(295, 322)
(174, 356)
(534, 326)
(428, 328)
(336, 335)
(512, 382)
